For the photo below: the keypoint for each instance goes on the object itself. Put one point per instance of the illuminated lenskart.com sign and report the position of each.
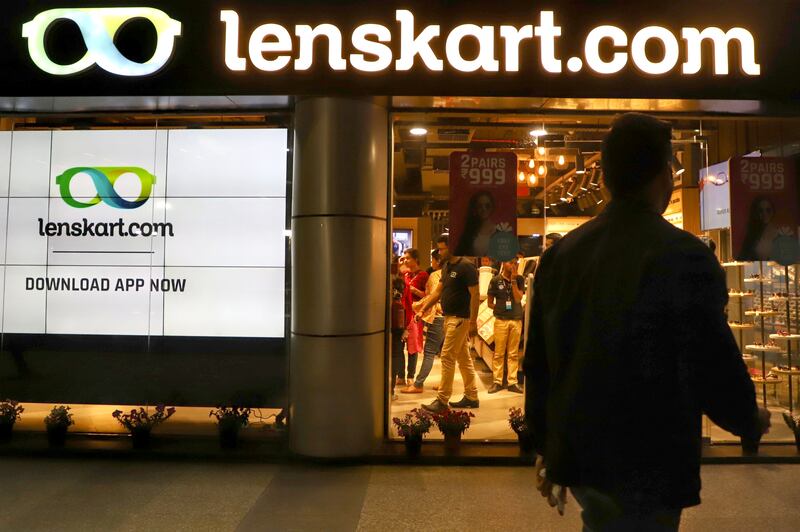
(653, 50)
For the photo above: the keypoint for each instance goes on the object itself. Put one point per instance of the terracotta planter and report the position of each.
(140, 438)
(452, 443)
(6, 431)
(413, 445)
(57, 435)
(525, 441)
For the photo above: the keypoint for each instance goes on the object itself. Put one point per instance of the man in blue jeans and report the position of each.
(434, 322)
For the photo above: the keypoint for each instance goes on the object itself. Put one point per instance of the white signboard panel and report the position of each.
(146, 232)
(715, 197)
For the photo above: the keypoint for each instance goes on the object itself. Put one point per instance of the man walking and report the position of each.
(505, 299)
(458, 291)
(628, 347)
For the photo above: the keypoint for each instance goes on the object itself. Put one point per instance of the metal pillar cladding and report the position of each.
(339, 276)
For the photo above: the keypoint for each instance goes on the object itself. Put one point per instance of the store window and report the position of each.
(554, 162)
(144, 265)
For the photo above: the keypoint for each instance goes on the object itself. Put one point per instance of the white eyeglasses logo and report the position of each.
(98, 27)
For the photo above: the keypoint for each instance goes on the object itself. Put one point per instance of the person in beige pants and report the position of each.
(458, 292)
(505, 299)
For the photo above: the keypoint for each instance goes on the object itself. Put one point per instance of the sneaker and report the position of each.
(514, 388)
(494, 388)
(436, 407)
(411, 389)
(465, 402)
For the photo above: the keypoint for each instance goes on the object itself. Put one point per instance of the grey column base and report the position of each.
(337, 386)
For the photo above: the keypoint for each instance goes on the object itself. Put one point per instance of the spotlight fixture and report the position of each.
(539, 132)
(418, 131)
(677, 167)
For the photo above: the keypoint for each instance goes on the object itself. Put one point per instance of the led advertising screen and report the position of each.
(144, 232)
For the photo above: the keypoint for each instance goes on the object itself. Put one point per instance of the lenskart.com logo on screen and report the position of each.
(104, 179)
(98, 27)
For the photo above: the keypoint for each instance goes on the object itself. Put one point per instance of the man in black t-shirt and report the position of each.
(458, 291)
(505, 299)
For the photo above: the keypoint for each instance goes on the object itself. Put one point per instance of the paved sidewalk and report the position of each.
(107, 495)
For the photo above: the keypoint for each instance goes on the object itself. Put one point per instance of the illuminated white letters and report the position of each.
(547, 32)
(618, 37)
(259, 46)
(639, 50)
(232, 58)
(411, 46)
(307, 35)
(485, 38)
(721, 40)
(514, 37)
(382, 53)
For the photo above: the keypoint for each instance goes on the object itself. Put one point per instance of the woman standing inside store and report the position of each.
(434, 323)
(415, 280)
(478, 226)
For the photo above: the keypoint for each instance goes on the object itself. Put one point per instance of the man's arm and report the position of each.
(474, 304)
(431, 300)
(515, 290)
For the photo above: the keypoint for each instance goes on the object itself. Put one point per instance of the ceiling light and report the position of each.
(532, 180)
(539, 132)
(521, 177)
(541, 170)
(541, 151)
(561, 162)
(531, 164)
(418, 131)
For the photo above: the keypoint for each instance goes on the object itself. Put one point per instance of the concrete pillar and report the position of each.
(339, 284)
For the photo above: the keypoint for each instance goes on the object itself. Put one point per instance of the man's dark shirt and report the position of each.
(456, 279)
(500, 289)
(628, 346)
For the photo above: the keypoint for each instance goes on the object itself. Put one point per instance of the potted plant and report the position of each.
(230, 419)
(794, 423)
(452, 424)
(516, 419)
(58, 423)
(10, 412)
(413, 427)
(140, 423)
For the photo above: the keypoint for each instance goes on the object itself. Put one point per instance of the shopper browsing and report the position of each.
(628, 347)
(505, 299)
(415, 280)
(434, 324)
(458, 292)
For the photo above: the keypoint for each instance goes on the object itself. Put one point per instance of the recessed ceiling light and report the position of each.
(418, 131)
(540, 132)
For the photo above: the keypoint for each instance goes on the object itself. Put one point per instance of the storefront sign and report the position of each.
(483, 204)
(592, 49)
(764, 209)
(143, 232)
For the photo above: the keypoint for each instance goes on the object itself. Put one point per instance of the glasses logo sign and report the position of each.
(104, 179)
(98, 26)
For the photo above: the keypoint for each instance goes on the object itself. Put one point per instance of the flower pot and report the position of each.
(414, 445)
(140, 438)
(57, 435)
(797, 441)
(452, 443)
(749, 447)
(525, 441)
(229, 437)
(6, 431)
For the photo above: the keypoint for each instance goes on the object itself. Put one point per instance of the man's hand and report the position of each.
(473, 328)
(764, 422)
(546, 488)
(418, 315)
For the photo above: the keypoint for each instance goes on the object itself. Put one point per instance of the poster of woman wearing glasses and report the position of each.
(764, 210)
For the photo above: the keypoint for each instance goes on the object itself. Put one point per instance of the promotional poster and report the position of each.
(764, 209)
(483, 204)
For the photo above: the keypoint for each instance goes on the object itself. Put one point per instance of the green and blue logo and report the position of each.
(104, 179)
(98, 27)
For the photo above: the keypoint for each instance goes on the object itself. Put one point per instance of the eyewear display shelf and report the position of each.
(774, 323)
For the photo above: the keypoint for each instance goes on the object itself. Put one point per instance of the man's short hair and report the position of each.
(636, 149)
(435, 255)
(413, 253)
(555, 237)
(444, 239)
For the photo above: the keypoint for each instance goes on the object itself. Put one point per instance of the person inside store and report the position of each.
(761, 231)
(478, 226)
(399, 331)
(460, 298)
(628, 347)
(415, 279)
(551, 239)
(504, 297)
(434, 326)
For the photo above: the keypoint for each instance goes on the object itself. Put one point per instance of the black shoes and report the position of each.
(514, 388)
(465, 402)
(494, 388)
(435, 407)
